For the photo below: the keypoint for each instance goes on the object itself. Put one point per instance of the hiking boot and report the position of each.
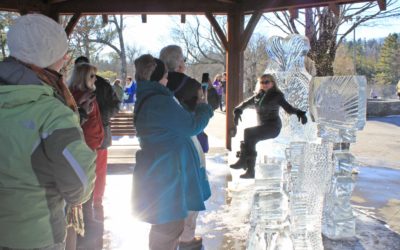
(241, 163)
(251, 163)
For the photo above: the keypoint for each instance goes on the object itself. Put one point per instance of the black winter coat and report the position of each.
(108, 105)
(267, 106)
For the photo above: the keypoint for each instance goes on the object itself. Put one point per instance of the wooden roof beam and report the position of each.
(73, 21)
(251, 25)
(143, 6)
(55, 1)
(217, 29)
(280, 5)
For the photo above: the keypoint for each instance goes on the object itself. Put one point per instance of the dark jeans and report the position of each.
(58, 246)
(220, 102)
(255, 134)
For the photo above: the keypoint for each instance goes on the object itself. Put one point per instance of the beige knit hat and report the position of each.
(37, 39)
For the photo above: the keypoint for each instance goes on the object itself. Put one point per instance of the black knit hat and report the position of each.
(159, 71)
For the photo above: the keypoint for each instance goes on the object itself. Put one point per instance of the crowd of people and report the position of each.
(55, 136)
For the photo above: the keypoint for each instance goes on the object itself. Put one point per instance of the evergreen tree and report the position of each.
(388, 67)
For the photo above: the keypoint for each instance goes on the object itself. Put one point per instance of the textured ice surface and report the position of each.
(338, 218)
(287, 65)
(338, 105)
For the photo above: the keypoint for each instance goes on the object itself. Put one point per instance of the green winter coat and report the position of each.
(44, 161)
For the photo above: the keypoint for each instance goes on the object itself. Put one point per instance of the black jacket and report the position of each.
(108, 105)
(267, 106)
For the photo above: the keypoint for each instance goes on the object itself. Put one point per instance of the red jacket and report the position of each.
(93, 127)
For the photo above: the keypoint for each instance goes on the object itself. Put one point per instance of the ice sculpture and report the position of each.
(286, 63)
(298, 166)
(339, 221)
(338, 105)
(309, 189)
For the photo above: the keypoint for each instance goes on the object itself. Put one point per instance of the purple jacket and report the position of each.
(218, 86)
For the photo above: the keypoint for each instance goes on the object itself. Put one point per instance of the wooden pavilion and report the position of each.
(235, 42)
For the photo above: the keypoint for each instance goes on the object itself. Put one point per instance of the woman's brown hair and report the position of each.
(79, 77)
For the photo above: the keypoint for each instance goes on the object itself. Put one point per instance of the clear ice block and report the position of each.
(338, 105)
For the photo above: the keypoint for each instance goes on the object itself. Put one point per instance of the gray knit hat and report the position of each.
(37, 39)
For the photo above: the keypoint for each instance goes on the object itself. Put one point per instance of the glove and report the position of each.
(301, 115)
(237, 116)
(233, 131)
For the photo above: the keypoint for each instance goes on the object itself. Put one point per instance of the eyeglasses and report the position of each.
(265, 82)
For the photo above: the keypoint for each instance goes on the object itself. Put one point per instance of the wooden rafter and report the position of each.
(104, 19)
(279, 5)
(251, 25)
(144, 6)
(73, 21)
(382, 4)
(69, 7)
(294, 13)
(55, 1)
(217, 28)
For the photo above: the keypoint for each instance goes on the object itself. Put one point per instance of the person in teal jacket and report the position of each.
(166, 183)
(45, 163)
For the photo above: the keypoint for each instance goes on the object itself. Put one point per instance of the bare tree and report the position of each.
(107, 37)
(200, 41)
(92, 34)
(321, 26)
(80, 39)
(255, 62)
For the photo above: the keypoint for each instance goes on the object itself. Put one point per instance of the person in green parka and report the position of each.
(166, 182)
(45, 163)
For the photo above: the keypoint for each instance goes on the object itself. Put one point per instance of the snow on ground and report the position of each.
(225, 223)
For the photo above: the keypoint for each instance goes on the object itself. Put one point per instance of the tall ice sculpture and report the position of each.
(338, 105)
(307, 166)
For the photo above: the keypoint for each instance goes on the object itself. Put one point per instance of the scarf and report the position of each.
(56, 81)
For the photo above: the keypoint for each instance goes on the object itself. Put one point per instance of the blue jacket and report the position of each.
(130, 91)
(167, 177)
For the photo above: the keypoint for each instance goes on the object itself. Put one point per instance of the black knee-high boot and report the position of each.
(242, 162)
(251, 163)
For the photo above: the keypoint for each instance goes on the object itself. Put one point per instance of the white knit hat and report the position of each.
(37, 39)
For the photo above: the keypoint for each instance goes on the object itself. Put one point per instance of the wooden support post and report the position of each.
(234, 59)
(72, 23)
(183, 18)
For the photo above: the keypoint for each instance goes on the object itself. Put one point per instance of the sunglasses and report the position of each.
(265, 82)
